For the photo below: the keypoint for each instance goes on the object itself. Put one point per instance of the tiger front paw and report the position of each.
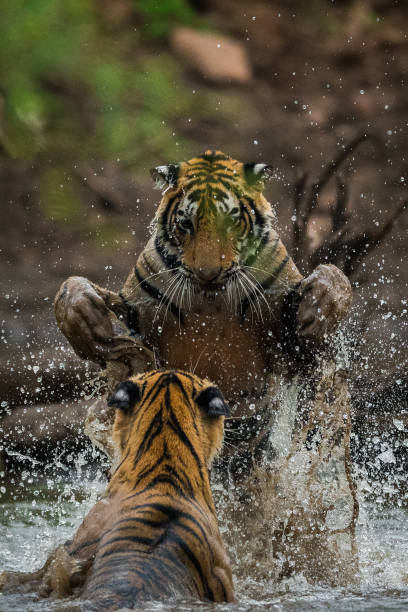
(325, 299)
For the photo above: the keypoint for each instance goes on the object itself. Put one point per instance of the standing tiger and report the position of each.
(154, 534)
(215, 291)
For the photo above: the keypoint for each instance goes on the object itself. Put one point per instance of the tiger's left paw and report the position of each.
(325, 299)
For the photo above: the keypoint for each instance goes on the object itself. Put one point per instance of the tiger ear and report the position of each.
(125, 396)
(212, 401)
(255, 173)
(165, 176)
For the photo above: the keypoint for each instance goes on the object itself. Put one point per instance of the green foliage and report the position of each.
(59, 200)
(161, 15)
(75, 90)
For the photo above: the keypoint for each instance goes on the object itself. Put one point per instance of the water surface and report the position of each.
(35, 518)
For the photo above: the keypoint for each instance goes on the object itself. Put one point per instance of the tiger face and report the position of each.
(168, 407)
(213, 219)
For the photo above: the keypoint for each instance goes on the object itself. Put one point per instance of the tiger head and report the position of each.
(172, 408)
(213, 218)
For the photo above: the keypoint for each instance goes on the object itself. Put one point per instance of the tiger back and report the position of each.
(160, 536)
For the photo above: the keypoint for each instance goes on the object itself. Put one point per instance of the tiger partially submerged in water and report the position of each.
(154, 534)
(215, 291)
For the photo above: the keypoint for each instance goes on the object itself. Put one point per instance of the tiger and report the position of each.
(154, 534)
(214, 289)
(215, 292)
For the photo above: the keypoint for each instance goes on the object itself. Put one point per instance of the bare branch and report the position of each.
(101, 187)
(351, 252)
(298, 234)
(306, 203)
(359, 247)
(339, 213)
(329, 172)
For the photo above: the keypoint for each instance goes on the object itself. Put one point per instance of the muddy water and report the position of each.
(34, 519)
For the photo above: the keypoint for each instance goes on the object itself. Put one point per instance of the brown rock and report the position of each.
(216, 58)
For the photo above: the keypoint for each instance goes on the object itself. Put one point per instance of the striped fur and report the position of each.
(212, 236)
(158, 536)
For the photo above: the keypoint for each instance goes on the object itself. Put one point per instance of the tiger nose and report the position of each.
(209, 273)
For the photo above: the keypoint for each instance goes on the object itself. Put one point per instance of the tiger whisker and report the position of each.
(257, 291)
(164, 296)
(198, 359)
(226, 443)
(180, 298)
(166, 291)
(255, 307)
(251, 305)
(171, 294)
(257, 285)
(166, 270)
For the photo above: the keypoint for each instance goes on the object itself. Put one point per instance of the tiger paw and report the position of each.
(325, 299)
(83, 318)
(93, 330)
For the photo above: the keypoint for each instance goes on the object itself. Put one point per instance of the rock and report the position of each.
(217, 58)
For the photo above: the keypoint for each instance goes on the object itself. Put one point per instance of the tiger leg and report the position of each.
(10, 580)
(60, 574)
(325, 299)
(91, 318)
(64, 573)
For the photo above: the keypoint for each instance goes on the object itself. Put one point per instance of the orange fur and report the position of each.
(154, 534)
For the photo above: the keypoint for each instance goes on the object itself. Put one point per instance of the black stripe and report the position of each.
(178, 564)
(175, 425)
(163, 479)
(226, 183)
(271, 279)
(187, 516)
(132, 317)
(193, 533)
(125, 550)
(176, 381)
(138, 519)
(165, 217)
(149, 470)
(193, 182)
(158, 295)
(212, 157)
(264, 241)
(167, 210)
(154, 429)
(264, 284)
(192, 557)
(221, 195)
(220, 582)
(259, 219)
(170, 261)
(220, 175)
(134, 539)
(185, 483)
(114, 568)
(196, 195)
(85, 545)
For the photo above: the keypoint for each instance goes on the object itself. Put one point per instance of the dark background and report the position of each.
(95, 92)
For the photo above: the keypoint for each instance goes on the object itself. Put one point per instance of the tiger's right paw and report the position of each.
(84, 319)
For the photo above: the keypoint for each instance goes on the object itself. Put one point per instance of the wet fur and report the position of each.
(154, 534)
(222, 298)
